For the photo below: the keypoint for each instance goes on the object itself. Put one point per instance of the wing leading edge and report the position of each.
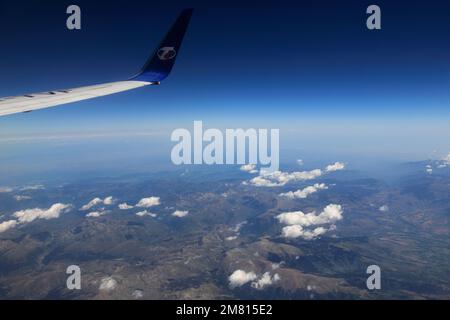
(156, 69)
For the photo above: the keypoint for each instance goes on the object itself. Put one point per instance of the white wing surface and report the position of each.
(30, 102)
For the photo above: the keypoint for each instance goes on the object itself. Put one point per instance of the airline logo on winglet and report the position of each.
(167, 53)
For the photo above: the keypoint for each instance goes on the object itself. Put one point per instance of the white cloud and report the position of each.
(384, 208)
(236, 230)
(239, 226)
(33, 187)
(138, 294)
(444, 162)
(447, 158)
(96, 214)
(180, 214)
(21, 198)
(250, 168)
(277, 265)
(263, 182)
(145, 213)
(331, 214)
(4, 226)
(297, 220)
(97, 201)
(300, 162)
(6, 189)
(53, 212)
(91, 204)
(265, 280)
(239, 277)
(108, 201)
(125, 206)
(303, 193)
(149, 202)
(108, 284)
(335, 167)
(280, 178)
(296, 231)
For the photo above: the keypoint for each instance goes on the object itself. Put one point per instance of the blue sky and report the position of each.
(310, 68)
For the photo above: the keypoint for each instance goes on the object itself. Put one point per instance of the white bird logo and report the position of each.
(167, 53)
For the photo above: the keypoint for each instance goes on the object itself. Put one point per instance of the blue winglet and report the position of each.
(159, 65)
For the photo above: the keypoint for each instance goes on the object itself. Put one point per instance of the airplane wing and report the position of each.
(156, 69)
